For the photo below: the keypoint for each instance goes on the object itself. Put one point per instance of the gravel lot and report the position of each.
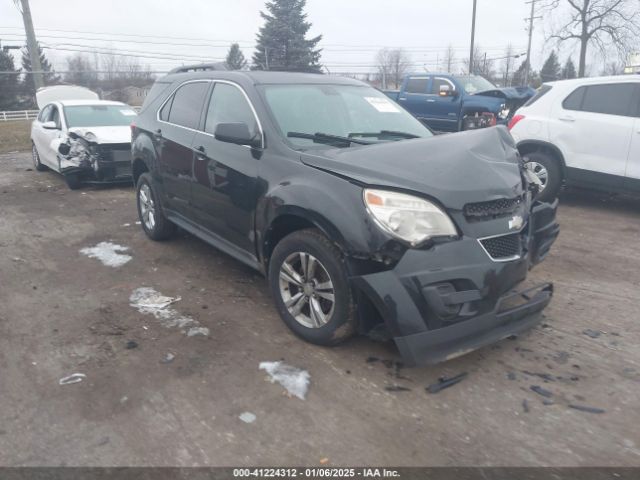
(62, 313)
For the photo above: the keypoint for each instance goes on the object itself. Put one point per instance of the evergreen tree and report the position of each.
(235, 58)
(9, 84)
(551, 68)
(569, 69)
(50, 78)
(282, 43)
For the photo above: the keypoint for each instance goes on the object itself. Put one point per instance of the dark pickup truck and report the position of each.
(450, 103)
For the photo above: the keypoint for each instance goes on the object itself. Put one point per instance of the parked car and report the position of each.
(583, 132)
(450, 103)
(355, 212)
(85, 139)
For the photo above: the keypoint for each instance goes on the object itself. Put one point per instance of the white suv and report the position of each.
(583, 132)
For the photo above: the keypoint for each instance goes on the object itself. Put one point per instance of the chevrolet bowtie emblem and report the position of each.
(516, 222)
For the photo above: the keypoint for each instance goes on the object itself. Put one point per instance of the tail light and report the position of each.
(514, 121)
(133, 126)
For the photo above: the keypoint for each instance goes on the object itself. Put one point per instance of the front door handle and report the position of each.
(567, 118)
(201, 153)
(430, 100)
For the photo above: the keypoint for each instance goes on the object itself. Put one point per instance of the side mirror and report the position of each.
(237, 133)
(73, 135)
(50, 125)
(446, 91)
(64, 149)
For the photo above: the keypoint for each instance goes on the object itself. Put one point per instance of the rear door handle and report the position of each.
(201, 153)
(567, 118)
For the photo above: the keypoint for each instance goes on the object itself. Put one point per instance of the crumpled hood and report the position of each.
(116, 134)
(455, 169)
(509, 93)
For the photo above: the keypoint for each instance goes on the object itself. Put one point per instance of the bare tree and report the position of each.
(508, 64)
(392, 65)
(449, 58)
(613, 68)
(482, 65)
(601, 23)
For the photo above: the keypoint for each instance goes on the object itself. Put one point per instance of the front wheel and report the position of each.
(547, 169)
(309, 282)
(152, 218)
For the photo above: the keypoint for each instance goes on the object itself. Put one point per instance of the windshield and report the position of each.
(98, 115)
(361, 113)
(474, 83)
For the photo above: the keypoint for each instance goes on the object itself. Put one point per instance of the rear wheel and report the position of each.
(309, 283)
(547, 169)
(36, 159)
(152, 218)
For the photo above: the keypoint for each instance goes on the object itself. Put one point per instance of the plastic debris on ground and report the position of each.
(584, 408)
(73, 378)
(168, 358)
(592, 333)
(541, 391)
(294, 380)
(247, 417)
(444, 382)
(108, 253)
(396, 388)
(149, 301)
(131, 344)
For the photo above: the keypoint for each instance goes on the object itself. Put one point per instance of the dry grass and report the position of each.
(14, 136)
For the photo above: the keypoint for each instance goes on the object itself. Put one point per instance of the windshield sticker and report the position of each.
(382, 104)
(128, 112)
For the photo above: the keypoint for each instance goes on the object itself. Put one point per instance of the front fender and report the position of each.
(481, 104)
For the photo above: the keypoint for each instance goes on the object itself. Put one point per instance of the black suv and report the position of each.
(354, 211)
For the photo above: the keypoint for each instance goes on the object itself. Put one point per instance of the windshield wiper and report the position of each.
(327, 138)
(384, 134)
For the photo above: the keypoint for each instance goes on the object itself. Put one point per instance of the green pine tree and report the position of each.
(235, 58)
(282, 43)
(569, 69)
(50, 77)
(9, 83)
(551, 68)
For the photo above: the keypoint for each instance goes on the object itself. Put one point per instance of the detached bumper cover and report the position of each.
(453, 298)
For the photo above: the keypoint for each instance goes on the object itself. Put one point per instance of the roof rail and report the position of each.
(200, 67)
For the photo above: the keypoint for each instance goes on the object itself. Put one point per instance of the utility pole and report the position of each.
(532, 17)
(32, 44)
(473, 37)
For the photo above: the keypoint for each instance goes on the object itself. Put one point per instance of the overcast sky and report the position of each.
(352, 30)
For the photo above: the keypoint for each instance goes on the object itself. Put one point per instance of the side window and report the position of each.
(574, 101)
(612, 99)
(437, 82)
(44, 114)
(229, 105)
(187, 104)
(417, 85)
(55, 117)
(164, 112)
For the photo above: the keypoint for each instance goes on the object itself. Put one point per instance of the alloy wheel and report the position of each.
(307, 290)
(147, 207)
(540, 171)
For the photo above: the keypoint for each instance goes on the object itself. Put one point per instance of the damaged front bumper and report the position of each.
(99, 164)
(453, 298)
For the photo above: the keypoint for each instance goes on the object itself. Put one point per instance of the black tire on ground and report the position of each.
(162, 228)
(73, 181)
(553, 177)
(36, 159)
(341, 321)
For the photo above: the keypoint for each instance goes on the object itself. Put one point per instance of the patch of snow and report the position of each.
(107, 253)
(149, 301)
(295, 380)
(247, 417)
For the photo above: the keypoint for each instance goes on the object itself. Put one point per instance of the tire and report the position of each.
(36, 159)
(73, 181)
(548, 170)
(335, 321)
(153, 220)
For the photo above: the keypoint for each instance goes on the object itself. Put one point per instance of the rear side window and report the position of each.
(417, 85)
(610, 99)
(164, 111)
(187, 104)
(229, 105)
(544, 89)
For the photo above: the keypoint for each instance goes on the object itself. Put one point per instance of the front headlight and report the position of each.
(409, 218)
(503, 113)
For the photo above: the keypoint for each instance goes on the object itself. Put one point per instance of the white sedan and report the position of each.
(85, 139)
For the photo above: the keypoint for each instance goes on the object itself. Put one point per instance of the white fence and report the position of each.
(7, 116)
